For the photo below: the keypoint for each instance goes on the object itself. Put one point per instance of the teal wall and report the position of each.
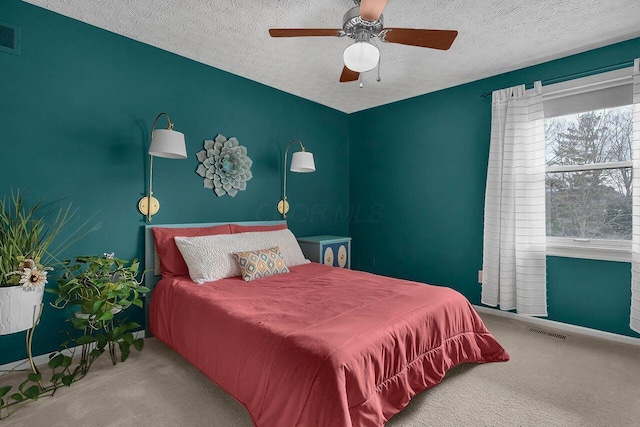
(75, 115)
(76, 110)
(422, 162)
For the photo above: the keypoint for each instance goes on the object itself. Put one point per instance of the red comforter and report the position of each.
(320, 346)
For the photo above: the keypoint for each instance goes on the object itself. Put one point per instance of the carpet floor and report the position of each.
(577, 381)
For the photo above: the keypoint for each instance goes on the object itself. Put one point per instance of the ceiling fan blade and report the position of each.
(434, 39)
(372, 9)
(303, 32)
(348, 75)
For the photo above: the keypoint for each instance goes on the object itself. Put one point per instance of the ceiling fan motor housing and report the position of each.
(356, 27)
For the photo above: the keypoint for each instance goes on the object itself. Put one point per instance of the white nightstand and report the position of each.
(328, 250)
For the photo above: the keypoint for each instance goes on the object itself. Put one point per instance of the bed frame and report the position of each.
(152, 276)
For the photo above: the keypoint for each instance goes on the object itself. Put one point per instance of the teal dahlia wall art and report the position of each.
(224, 166)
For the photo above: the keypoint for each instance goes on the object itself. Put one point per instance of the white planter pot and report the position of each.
(84, 316)
(19, 309)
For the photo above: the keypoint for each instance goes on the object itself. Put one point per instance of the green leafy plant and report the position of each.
(33, 237)
(32, 388)
(95, 289)
(24, 394)
(99, 284)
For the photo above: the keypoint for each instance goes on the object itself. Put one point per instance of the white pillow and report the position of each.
(211, 258)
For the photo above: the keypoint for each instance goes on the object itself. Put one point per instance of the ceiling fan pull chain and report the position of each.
(361, 84)
(378, 78)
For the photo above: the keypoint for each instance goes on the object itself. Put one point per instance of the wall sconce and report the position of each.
(301, 162)
(166, 143)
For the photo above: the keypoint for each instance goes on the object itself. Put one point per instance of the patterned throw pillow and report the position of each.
(261, 263)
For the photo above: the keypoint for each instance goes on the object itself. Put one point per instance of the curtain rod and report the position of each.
(576, 75)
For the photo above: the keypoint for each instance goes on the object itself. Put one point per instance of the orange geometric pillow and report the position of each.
(260, 263)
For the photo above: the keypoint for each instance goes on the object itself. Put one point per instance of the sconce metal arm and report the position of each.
(286, 152)
(150, 194)
(284, 208)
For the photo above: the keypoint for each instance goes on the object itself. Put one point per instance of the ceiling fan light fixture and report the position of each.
(361, 56)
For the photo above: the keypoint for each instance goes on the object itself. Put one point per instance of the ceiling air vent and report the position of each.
(9, 38)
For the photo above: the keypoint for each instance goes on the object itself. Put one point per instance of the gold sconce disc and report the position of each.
(283, 207)
(148, 205)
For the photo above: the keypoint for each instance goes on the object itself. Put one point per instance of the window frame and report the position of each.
(596, 249)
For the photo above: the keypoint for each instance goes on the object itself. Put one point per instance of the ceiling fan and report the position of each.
(363, 23)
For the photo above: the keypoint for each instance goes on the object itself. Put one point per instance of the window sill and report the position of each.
(598, 250)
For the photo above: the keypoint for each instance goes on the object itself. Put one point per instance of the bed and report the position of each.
(319, 346)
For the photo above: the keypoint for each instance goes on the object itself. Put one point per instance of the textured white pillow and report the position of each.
(211, 258)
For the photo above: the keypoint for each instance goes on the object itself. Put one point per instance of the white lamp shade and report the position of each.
(168, 143)
(361, 57)
(302, 161)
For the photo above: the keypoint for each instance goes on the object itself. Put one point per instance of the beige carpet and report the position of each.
(548, 382)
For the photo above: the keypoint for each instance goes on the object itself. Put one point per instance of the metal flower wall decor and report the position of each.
(224, 166)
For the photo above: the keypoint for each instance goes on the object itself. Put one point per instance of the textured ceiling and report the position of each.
(495, 36)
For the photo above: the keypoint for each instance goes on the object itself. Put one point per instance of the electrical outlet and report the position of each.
(480, 276)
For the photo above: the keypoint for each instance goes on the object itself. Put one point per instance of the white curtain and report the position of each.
(514, 256)
(635, 247)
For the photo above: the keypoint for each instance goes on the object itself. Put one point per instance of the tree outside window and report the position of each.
(588, 180)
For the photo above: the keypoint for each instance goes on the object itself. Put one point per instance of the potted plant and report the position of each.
(29, 247)
(97, 288)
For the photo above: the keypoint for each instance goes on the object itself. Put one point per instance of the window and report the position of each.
(588, 133)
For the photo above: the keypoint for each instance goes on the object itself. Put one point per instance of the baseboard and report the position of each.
(43, 359)
(565, 327)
